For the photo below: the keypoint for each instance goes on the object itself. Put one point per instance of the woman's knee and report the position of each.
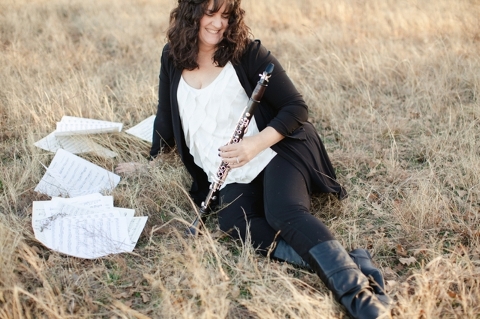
(286, 216)
(239, 205)
(228, 224)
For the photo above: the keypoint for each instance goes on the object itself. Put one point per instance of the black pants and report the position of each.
(277, 200)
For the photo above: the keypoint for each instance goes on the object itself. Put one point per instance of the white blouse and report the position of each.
(209, 117)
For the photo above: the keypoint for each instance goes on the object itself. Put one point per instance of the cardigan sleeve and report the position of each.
(163, 127)
(288, 104)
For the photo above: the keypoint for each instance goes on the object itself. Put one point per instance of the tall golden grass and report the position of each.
(393, 89)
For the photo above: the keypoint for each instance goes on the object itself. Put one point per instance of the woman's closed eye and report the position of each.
(210, 13)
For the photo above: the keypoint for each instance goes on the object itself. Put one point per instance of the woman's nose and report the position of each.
(217, 21)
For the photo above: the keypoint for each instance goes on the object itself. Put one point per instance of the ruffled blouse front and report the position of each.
(209, 117)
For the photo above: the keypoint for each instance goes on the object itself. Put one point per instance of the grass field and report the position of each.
(393, 89)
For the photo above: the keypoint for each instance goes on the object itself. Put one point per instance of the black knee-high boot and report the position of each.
(350, 287)
(363, 259)
(285, 252)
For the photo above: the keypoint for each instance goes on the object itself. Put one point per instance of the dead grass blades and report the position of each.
(393, 91)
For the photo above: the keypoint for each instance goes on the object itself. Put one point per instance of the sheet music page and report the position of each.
(74, 211)
(74, 144)
(90, 237)
(70, 176)
(38, 217)
(44, 225)
(90, 201)
(135, 229)
(125, 212)
(50, 143)
(70, 125)
(82, 206)
(83, 232)
(47, 212)
(143, 130)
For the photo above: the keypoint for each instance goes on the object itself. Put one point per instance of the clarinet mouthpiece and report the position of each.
(269, 68)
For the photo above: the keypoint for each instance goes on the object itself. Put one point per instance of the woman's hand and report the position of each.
(128, 168)
(239, 154)
(131, 168)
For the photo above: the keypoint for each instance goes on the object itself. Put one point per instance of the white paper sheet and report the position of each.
(135, 229)
(70, 176)
(73, 144)
(83, 230)
(43, 212)
(38, 217)
(70, 125)
(143, 130)
(92, 201)
(89, 237)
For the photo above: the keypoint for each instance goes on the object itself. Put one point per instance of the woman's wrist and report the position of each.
(268, 137)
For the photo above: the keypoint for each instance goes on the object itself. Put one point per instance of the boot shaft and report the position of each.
(341, 275)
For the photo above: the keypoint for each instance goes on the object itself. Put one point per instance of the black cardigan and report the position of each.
(282, 107)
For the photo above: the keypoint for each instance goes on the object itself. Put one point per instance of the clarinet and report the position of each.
(237, 136)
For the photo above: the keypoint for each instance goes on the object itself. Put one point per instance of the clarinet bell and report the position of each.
(193, 229)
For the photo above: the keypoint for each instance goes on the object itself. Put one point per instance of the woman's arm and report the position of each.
(162, 127)
(249, 147)
(289, 108)
(287, 104)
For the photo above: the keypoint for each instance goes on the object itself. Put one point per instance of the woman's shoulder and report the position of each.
(256, 57)
(166, 49)
(165, 57)
(254, 47)
(254, 52)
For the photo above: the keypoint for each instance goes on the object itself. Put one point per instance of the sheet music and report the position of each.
(70, 176)
(135, 229)
(86, 224)
(42, 223)
(89, 237)
(85, 227)
(91, 201)
(38, 215)
(74, 144)
(125, 212)
(70, 125)
(143, 130)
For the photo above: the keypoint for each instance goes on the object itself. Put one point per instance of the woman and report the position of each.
(208, 71)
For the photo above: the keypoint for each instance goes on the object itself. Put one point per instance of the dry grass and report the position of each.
(393, 89)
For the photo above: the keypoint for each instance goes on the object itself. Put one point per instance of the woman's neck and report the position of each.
(205, 57)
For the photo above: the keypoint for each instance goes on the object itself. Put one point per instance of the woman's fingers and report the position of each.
(238, 154)
(233, 154)
(233, 159)
(127, 168)
(235, 162)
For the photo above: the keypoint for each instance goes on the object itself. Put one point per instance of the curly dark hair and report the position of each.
(182, 34)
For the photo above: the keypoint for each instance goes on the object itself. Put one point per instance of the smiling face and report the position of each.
(201, 27)
(212, 27)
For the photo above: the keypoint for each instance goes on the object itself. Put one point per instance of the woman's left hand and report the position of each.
(239, 154)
